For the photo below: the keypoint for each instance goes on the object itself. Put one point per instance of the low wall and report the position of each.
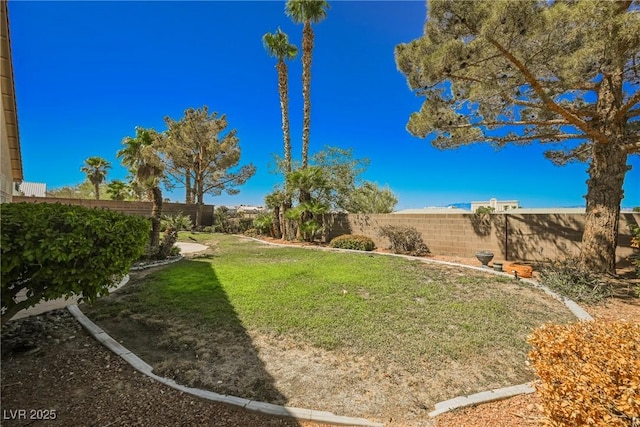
(128, 207)
(522, 237)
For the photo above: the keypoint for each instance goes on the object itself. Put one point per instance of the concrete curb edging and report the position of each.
(483, 397)
(156, 263)
(266, 408)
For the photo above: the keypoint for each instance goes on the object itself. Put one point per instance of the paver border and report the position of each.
(267, 408)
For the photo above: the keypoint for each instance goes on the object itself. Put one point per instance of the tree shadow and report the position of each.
(481, 223)
(183, 323)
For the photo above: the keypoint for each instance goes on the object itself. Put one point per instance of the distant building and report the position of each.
(10, 155)
(496, 205)
(247, 209)
(31, 189)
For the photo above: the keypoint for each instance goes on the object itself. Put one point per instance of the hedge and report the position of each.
(55, 250)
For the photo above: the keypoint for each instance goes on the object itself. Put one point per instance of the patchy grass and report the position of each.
(191, 237)
(385, 305)
(410, 317)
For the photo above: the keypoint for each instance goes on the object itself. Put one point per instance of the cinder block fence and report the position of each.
(128, 207)
(521, 237)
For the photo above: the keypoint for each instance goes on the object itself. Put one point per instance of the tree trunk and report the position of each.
(284, 107)
(96, 186)
(307, 48)
(156, 214)
(188, 198)
(606, 177)
(276, 229)
(604, 195)
(199, 206)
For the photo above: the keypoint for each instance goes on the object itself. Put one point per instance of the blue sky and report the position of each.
(88, 73)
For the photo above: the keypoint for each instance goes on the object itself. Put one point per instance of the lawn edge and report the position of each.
(267, 408)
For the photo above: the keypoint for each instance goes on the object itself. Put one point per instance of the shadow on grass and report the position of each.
(184, 325)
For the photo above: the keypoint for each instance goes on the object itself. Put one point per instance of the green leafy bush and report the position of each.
(589, 372)
(54, 250)
(177, 222)
(404, 239)
(263, 223)
(353, 241)
(167, 244)
(208, 229)
(571, 280)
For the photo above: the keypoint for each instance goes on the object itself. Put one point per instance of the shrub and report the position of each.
(571, 280)
(589, 372)
(167, 244)
(252, 232)
(54, 250)
(352, 241)
(263, 223)
(208, 229)
(404, 240)
(244, 224)
(176, 222)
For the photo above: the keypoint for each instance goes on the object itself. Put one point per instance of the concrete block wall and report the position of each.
(521, 237)
(128, 207)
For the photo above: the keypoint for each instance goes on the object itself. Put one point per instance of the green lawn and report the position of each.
(393, 308)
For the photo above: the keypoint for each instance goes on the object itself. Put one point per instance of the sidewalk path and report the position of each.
(189, 248)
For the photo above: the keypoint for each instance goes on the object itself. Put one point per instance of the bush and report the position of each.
(572, 281)
(589, 372)
(177, 222)
(55, 250)
(167, 244)
(208, 229)
(263, 223)
(353, 241)
(252, 232)
(404, 240)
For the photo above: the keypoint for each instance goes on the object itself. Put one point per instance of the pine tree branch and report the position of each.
(547, 136)
(628, 106)
(546, 99)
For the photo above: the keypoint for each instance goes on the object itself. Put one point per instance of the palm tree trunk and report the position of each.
(284, 107)
(283, 222)
(276, 229)
(307, 49)
(156, 214)
(96, 187)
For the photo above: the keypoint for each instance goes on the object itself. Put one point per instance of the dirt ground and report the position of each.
(48, 362)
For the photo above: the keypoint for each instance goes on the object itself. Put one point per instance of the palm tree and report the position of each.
(96, 170)
(306, 12)
(141, 158)
(118, 190)
(277, 45)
